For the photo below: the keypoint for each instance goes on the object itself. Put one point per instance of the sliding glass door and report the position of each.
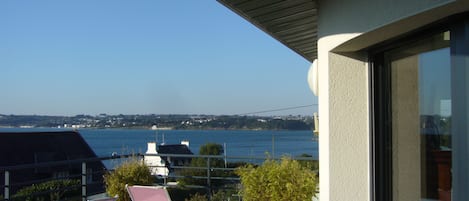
(421, 98)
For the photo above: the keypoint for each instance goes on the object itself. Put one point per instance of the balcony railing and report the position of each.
(84, 184)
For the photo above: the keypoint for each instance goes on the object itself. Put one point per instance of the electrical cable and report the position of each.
(276, 110)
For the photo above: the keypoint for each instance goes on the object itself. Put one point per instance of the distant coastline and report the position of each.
(159, 122)
(146, 128)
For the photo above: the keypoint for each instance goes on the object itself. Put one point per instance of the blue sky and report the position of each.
(142, 57)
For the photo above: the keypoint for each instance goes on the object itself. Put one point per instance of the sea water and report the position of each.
(245, 143)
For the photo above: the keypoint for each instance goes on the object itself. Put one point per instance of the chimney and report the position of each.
(151, 148)
(185, 142)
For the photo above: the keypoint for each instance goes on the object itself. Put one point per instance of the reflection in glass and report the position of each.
(435, 115)
(421, 119)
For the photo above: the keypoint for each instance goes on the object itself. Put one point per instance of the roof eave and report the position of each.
(292, 35)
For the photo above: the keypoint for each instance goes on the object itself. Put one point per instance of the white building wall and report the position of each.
(344, 124)
(359, 16)
(156, 165)
(346, 28)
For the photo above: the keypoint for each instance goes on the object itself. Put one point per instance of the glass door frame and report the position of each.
(381, 111)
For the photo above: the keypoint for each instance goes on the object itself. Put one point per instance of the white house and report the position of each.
(392, 89)
(161, 165)
(156, 164)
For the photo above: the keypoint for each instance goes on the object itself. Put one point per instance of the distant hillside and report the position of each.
(225, 122)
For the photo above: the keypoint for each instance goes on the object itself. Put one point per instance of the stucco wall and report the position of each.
(349, 90)
(344, 127)
(381, 20)
(358, 16)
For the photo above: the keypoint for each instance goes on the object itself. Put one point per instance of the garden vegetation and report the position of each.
(278, 181)
(132, 172)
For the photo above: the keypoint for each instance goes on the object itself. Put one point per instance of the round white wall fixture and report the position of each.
(313, 78)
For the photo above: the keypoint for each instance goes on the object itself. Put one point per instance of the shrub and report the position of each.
(311, 164)
(217, 196)
(197, 197)
(53, 190)
(275, 181)
(222, 195)
(184, 193)
(132, 172)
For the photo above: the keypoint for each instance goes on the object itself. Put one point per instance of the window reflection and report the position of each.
(421, 119)
(435, 115)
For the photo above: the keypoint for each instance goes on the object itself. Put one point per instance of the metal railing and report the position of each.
(83, 176)
(176, 172)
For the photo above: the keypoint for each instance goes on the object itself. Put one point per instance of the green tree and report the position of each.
(201, 163)
(132, 172)
(278, 181)
(211, 149)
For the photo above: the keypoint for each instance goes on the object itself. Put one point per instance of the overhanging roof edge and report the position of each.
(308, 56)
